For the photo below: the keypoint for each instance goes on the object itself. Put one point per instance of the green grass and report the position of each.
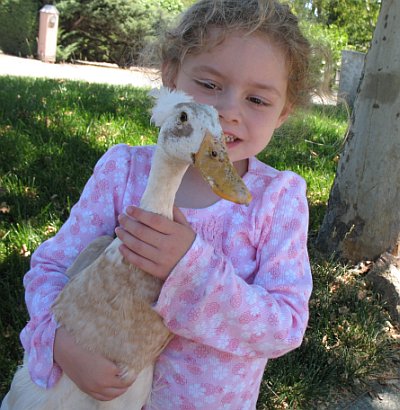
(51, 135)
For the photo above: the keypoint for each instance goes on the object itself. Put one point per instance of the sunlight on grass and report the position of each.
(52, 133)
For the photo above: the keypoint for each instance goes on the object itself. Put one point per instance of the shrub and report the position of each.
(113, 30)
(18, 27)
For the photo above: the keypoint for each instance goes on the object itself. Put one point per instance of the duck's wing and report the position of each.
(89, 255)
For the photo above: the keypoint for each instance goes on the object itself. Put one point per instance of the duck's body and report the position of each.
(107, 305)
(115, 310)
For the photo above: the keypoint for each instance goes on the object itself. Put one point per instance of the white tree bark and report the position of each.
(363, 216)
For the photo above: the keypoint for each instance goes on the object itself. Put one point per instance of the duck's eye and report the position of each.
(183, 117)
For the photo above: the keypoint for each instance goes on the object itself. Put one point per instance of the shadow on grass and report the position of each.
(13, 316)
(317, 213)
(307, 369)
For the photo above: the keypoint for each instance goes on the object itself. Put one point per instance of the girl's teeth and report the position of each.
(229, 138)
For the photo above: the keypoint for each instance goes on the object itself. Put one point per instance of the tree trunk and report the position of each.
(363, 216)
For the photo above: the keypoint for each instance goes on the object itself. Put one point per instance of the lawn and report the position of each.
(51, 135)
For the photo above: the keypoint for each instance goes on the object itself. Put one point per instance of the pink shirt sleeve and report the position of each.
(207, 300)
(95, 214)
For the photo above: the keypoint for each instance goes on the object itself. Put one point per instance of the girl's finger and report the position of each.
(138, 245)
(157, 222)
(139, 230)
(139, 261)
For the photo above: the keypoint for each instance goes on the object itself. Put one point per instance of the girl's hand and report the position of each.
(91, 372)
(152, 242)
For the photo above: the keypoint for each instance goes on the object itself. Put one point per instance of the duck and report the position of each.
(107, 305)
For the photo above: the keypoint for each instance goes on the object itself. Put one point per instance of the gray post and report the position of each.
(350, 74)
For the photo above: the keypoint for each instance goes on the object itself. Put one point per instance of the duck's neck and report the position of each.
(164, 180)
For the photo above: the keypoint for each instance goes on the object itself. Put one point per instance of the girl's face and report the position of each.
(245, 79)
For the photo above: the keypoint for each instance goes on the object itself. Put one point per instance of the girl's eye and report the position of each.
(257, 101)
(210, 86)
(207, 84)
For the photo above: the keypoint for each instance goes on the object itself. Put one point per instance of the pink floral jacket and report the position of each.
(236, 299)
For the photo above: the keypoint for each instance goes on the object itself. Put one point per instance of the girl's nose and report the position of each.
(228, 107)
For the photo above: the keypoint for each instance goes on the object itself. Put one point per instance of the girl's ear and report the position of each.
(168, 75)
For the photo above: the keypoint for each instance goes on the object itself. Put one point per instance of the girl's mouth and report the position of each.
(229, 139)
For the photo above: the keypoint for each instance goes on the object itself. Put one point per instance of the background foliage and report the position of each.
(355, 17)
(18, 26)
(116, 30)
(112, 30)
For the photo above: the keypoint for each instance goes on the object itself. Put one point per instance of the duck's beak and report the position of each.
(214, 164)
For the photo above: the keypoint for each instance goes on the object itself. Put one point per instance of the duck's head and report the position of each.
(191, 132)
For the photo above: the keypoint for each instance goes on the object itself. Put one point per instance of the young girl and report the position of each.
(237, 279)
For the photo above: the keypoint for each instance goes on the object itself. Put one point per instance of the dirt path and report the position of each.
(95, 73)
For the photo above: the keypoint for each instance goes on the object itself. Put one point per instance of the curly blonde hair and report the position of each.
(270, 18)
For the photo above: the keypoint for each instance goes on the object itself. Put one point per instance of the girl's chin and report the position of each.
(233, 149)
